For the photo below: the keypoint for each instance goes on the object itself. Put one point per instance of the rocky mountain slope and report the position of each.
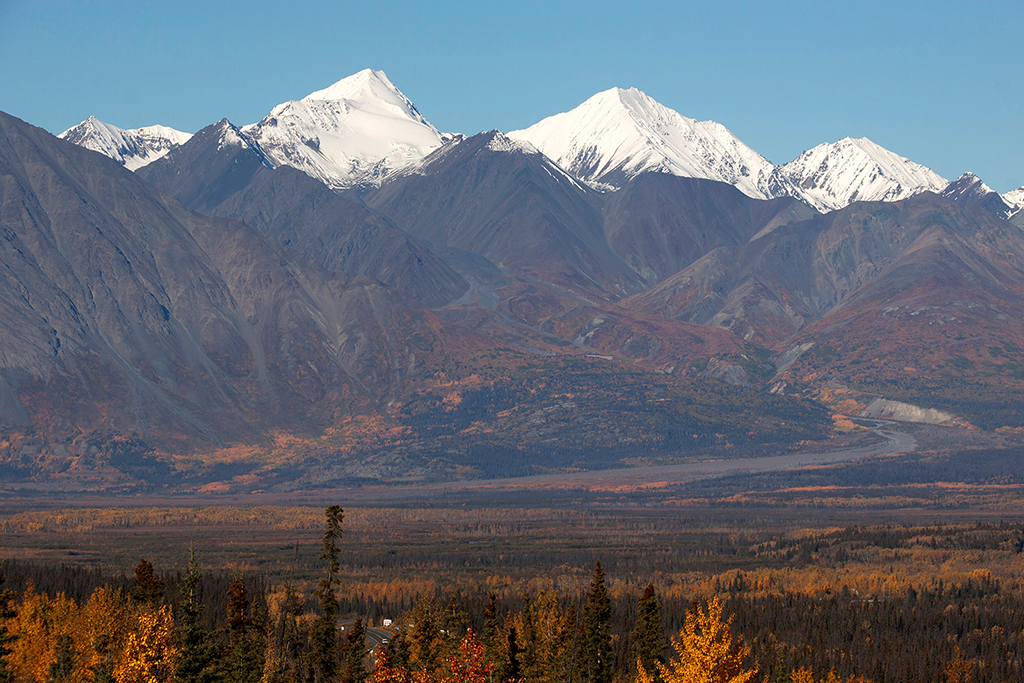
(124, 311)
(492, 197)
(969, 189)
(148, 345)
(222, 171)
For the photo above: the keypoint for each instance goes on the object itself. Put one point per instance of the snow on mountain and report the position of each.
(832, 175)
(133, 147)
(354, 132)
(1015, 199)
(618, 134)
(969, 189)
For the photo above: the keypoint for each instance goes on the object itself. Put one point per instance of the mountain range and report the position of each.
(341, 293)
(362, 129)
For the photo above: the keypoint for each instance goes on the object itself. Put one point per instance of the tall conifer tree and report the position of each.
(324, 634)
(648, 637)
(355, 670)
(597, 638)
(198, 652)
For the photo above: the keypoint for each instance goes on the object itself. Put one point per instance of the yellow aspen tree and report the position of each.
(802, 675)
(705, 652)
(150, 653)
(106, 624)
(39, 626)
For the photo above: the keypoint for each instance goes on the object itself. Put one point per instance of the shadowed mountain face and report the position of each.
(969, 189)
(122, 309)
(770, 287)
(659, 223)
(501, 200)
(918, 300)
(223, 172)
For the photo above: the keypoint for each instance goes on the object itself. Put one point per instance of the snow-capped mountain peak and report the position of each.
(967, 185)
(369, 86)
(832, 175)
(228, 135)
(969, 189)
(619, 133)
(133, 148)
(353, 132)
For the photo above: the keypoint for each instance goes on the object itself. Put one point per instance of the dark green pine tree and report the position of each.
(511, 670)
(198, 654)
(355, 669)
(246, 638)
(648, 636)
(776, 671)
(425, 637)
(597, 638)
(6, 637)
(324, 635)
(63, 665)
(489, 637)
(149, 590)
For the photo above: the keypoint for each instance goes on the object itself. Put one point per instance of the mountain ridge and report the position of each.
(133, 148)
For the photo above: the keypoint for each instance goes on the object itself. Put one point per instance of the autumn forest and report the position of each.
(313, 595)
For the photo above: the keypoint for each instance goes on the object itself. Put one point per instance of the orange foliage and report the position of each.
(469, 666)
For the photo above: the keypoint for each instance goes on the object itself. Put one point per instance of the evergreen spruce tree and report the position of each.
(489, 637)
(425, 636)
(597, 639)
(290, 641)
(246, 640)
(198, 657)
(324, 636)
(355, 669)
(103, 670)
(455, 621)
(511, 670)
(149, 590)
(398, 652)
(648, 636)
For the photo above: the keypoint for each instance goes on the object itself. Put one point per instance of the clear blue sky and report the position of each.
(939, 82)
